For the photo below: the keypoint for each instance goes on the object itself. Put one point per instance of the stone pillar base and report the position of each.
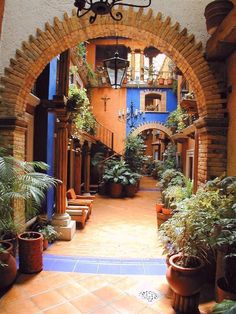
(87, 194)
(66, 233)
(64, 225)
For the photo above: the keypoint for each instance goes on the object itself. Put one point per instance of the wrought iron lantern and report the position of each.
(103, 7)
(116, 68)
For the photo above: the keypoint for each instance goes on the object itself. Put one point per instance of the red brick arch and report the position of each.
(181, 47)
(152, 125)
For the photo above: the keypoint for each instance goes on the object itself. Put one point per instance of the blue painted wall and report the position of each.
(50, 134)
(133, 95)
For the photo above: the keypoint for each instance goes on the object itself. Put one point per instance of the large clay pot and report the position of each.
(30, 252)
(8, 271)
(130, 190)
(215, 12)
(222, 291)
(159, 207)
(186, 284)
(116, 190)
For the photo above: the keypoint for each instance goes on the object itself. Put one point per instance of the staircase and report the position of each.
(105, 136)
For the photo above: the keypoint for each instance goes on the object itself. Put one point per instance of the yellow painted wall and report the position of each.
(231, 159)
(109, 118)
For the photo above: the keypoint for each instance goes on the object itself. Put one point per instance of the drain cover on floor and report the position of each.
(150, 296)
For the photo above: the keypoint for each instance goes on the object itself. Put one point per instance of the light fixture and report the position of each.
(103, 7)
(116, 69)
(131, 116)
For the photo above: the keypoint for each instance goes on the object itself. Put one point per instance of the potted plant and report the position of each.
(131, 183)
(8, 232)
(188, 233)
(49, 235)
(215, 12)
(8, 268)
(134, 154)
(115, 174)
(21, 181)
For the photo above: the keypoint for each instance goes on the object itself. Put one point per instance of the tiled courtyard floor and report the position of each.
(112, 266)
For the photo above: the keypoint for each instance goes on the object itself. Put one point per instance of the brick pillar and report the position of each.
(132, 65)
(61, 219)
(141, 65)
(77, 169)
(87, 169)
(212, 153)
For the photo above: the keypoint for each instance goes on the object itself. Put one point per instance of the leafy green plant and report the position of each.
(49, 233)
(2, 250)
(225, 307)
(118, 171)
(171, 177)
(170, 156)
(134, 153)
(176, 119)
(83, 117)
(21, 181)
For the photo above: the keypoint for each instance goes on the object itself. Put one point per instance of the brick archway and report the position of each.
(152, 125)
(181, 47)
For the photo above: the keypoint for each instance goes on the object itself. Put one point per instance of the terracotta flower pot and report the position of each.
(159, 207)
(130, 190)
(116, 190)
(161, 81)
(166, 211)
(186, 284)
(161, 218)
(222, 292)
(8, 271)
(30, 252)
(215, 12)
(45, 244)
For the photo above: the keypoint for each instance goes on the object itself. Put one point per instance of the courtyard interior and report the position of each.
(114, 265)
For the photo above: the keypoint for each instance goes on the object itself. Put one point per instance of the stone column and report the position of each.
(61, 220)
(132, 65)
(141, 65)
(87, 169)
(77, 169)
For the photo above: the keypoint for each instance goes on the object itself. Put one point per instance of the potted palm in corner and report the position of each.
(20, 181)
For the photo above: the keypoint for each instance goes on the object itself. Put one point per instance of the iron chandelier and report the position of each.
(103, 7)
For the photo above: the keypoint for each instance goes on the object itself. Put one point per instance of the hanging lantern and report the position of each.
(116, 68)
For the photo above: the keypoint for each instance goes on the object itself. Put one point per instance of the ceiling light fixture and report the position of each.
(103, 7)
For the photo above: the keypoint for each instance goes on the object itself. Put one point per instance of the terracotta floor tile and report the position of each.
(105, 310)
(21, 307)
(15, 293)
(71, 290)
(128, 304)
(47, 299)
(108, 293)
(66, 308)
(92, 283)
(87, 303)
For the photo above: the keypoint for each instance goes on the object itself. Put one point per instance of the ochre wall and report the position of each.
(109, 118)
(231, 162)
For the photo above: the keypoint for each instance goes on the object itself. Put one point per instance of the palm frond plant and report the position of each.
(21, 181)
